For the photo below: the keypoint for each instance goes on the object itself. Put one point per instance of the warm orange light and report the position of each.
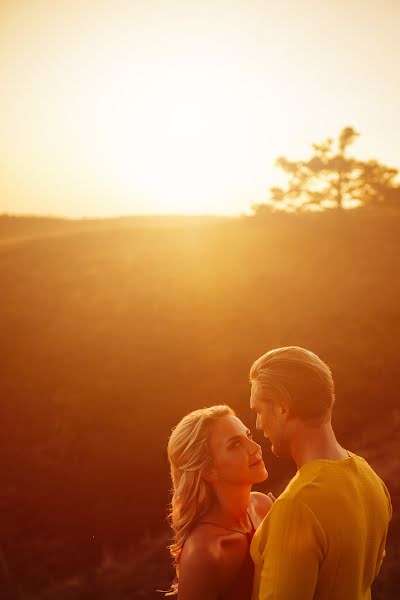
(175, 107)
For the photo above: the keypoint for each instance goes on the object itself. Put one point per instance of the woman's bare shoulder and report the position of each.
(198, 555)
(210, 558)
(260, 503)
(198, 570)
(213, 542)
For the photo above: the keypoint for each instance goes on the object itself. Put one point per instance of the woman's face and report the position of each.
(237, 458)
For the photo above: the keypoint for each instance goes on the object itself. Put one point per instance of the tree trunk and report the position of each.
(339, 192)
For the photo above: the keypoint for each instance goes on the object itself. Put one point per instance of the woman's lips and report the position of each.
(257, 462)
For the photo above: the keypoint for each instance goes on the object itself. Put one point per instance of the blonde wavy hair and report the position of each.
(189, 457)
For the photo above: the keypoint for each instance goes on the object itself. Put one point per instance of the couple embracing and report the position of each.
(323, 538)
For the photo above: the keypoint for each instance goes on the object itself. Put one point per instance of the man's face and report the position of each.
(269, 419)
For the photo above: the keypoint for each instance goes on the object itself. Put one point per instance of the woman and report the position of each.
(214, 463)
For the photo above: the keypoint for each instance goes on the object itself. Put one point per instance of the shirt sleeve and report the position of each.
(293, 553)
(382, 550)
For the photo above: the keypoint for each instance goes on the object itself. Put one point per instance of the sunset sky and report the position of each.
(169, 106)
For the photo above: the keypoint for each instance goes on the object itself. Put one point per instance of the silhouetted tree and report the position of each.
(377, 183)
(331, 178)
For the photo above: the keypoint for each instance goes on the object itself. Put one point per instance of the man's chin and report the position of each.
(274, 449)
(279, 452)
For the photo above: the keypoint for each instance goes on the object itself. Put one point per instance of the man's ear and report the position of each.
(285, 410)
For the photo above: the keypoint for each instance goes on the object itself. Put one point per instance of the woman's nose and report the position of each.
(255, 447)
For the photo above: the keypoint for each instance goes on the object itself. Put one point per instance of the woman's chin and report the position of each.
(262, 475)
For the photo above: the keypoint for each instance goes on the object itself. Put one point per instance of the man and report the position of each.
(324, 537)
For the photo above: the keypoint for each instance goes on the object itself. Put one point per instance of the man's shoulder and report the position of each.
(307, 488)
(324, 485)
(375, 481)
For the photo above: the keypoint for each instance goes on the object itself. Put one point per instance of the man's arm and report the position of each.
(294, 551)
(382, 550)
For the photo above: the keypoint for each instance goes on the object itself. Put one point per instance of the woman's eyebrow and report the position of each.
(237, 437)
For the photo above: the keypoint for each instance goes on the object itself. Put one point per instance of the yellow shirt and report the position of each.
(324, 537)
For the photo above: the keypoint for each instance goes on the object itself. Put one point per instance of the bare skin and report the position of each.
(213, 555)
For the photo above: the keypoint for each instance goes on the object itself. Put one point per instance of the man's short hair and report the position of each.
(297, 376)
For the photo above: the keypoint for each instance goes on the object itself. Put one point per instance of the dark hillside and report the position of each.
(110, 334)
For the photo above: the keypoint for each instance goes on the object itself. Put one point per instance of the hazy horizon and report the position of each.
(142, 108)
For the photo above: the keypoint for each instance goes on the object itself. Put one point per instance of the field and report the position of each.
(112, 330)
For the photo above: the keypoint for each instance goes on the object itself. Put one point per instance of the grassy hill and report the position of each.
(113, 329)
